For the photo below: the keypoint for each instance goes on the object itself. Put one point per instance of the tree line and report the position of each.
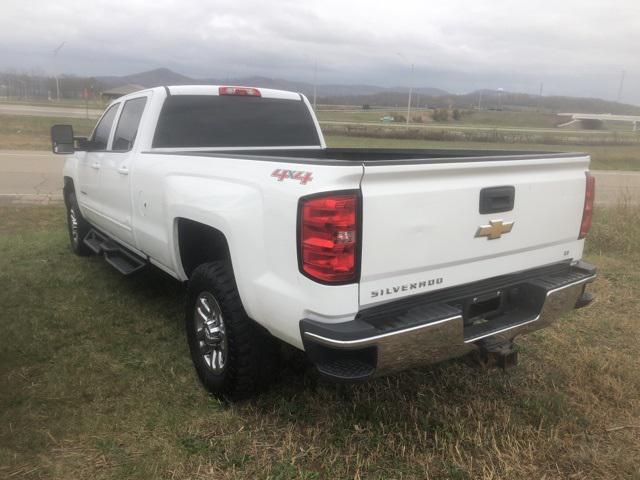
(20, 86)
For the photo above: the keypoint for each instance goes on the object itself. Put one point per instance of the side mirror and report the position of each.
(62, 139)
(83, 144)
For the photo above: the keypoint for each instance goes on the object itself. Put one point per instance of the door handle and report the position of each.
(497, 199)
(95, 165)
(123, 170)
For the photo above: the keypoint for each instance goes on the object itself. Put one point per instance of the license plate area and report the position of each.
(482, 307)
(493, 310)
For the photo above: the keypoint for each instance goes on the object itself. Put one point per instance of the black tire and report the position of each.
(82, 227)
(251, 353)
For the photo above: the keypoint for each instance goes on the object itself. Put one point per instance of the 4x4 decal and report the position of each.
(302, 177)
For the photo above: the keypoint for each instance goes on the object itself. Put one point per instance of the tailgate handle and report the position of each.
(497, 199)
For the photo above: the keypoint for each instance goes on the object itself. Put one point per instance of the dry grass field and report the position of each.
(96, 382)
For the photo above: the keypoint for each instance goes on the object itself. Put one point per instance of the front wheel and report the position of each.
(78, 227)
(232, 355)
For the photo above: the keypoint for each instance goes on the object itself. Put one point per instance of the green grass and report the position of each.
(484, 118)
(96, 382)
(477, 118)
(510, 119)
(22, 132)
(603, 157)
(63, 103)
(353, 115)
(482, 133)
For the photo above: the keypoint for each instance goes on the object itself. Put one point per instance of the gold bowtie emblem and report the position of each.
(494, 230)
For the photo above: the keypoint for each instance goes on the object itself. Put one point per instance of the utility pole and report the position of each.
(55, 56)
(540, 96)
(410, 92)
(86, 101)
(624, 73)
(315, 84)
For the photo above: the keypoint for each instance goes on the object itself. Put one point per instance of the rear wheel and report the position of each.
(78, 227)
(233, 356)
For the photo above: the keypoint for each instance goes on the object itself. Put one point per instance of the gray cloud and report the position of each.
(576, 47)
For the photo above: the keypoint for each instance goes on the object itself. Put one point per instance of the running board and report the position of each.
(115, 254)
(93, 240)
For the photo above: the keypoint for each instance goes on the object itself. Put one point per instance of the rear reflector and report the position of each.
(587, 212)
(328, 236)
(239, 91)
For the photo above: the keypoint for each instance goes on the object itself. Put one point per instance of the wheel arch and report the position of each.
(199, 243)
(68, 187)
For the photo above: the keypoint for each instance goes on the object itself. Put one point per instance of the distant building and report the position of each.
(594, 121)
(120, 91)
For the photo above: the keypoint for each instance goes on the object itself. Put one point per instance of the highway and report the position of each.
(36, 177)
(30, 177)
(48, 111)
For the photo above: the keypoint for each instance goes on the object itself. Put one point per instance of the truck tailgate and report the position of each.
(422, 229)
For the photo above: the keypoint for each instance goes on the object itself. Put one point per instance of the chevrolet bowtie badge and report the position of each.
(495, 229)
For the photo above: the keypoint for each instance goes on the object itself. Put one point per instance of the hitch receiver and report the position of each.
(585, 299)
(499, 354)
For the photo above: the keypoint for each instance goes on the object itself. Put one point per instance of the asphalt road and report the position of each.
(49, 111)
(27, 177)
(36, 177)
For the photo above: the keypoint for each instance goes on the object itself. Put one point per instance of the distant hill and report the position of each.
(357, 95)
(164, 76)
(152, 78)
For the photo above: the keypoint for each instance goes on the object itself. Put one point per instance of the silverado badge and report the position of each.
(494, 230)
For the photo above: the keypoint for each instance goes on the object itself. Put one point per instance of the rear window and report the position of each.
(233, 121)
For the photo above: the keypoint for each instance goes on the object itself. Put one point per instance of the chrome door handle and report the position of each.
(95, 165)
(123, 170)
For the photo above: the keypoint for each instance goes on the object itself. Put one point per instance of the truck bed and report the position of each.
(422, 211)
(377, 156)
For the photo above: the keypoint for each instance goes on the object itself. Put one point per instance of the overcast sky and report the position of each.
(576, 47)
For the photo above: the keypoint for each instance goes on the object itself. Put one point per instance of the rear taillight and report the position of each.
(239, 91)
(587, 212)
(328, 237)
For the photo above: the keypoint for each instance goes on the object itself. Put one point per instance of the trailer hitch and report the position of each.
(496, 354)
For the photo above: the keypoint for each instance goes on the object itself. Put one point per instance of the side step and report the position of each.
(116, 255)
(93, 240)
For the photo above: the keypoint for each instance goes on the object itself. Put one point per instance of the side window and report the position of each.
(101, 133)
(128, 124)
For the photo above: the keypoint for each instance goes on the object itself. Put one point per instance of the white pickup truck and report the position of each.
(369, 260)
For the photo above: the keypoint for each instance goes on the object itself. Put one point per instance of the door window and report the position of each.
(101, 133)
(128, 123)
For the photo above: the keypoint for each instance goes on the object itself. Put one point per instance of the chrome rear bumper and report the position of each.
(408, 334)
